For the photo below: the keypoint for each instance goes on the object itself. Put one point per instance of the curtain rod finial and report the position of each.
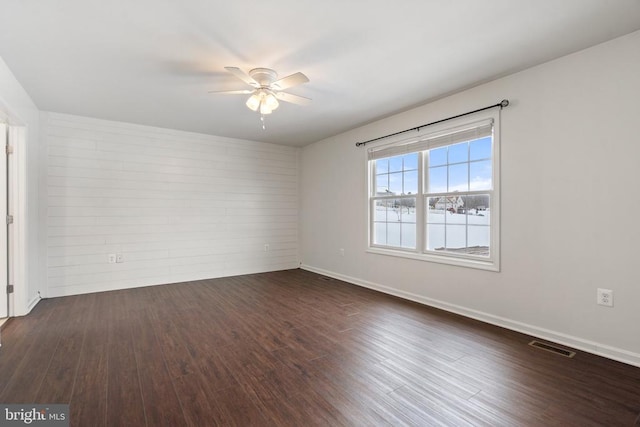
(504, 103)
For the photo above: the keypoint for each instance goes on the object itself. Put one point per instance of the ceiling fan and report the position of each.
(267, 88)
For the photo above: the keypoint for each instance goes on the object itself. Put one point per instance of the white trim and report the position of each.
(588, 346)
(19, 306)
(18, 166)
(2, 322)
(35, 300)
(5, 249)
(450, 259)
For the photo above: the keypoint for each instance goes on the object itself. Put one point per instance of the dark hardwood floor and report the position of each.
(294, 348)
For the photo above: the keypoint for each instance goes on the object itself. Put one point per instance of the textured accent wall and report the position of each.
(177, 206)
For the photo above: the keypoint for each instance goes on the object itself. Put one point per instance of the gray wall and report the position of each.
(569, 220)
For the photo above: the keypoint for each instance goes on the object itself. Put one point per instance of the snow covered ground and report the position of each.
(454, 231)
(445, 230)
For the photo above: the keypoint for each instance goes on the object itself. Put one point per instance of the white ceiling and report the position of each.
(153, 62)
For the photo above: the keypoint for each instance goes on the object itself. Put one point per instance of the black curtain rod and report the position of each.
(501, 104)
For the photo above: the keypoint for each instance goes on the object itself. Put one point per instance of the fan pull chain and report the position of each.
(262, 120)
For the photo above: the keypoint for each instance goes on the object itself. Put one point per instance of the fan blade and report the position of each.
(290, 81)
(242, 76)
(294, 99)
(233, 92)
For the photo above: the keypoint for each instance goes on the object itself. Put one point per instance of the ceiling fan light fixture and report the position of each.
(254, 102)
(270, 101)
(264, 109)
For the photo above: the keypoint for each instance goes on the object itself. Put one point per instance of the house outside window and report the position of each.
(436, 197)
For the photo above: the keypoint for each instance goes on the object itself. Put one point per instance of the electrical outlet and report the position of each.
(605, 297)
(119, 258)
(112, 258)
(266, 247)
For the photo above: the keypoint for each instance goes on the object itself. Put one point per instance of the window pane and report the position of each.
(410, 162)
(395, 164)
(402, 210)
(436, 210)
(478, 209)
(459, 152)
(408, 235)
(395, 222)
(479, 238)
(380, 233)
(393, 211)
(407, 209)
(459, 224)
(380, 213)
(481, 218)
(382, 183)
(411, 182)
(395, 183)
(459, 177)
(382, 166)
(438, 157)
(437, 180)
(435, 237)
(455, 210)
(480, 174)
(456, 236)
(393, 214)
(393, 234)
(480, 149)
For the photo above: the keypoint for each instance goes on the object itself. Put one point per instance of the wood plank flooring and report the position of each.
(294, 348)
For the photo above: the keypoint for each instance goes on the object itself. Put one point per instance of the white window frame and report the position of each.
(492, 262)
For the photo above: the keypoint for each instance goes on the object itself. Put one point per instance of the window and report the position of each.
(436, 197)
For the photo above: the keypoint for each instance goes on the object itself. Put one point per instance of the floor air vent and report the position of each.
(552, 348)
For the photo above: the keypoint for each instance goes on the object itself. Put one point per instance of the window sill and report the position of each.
(489, 265)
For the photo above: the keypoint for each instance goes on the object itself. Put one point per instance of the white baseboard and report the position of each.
(143, 282)
(34, 301)
(599, 349)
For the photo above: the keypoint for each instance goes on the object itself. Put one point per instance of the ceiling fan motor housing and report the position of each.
(264, 76)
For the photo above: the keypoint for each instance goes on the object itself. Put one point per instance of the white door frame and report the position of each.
(4, 236)
(18, 305)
